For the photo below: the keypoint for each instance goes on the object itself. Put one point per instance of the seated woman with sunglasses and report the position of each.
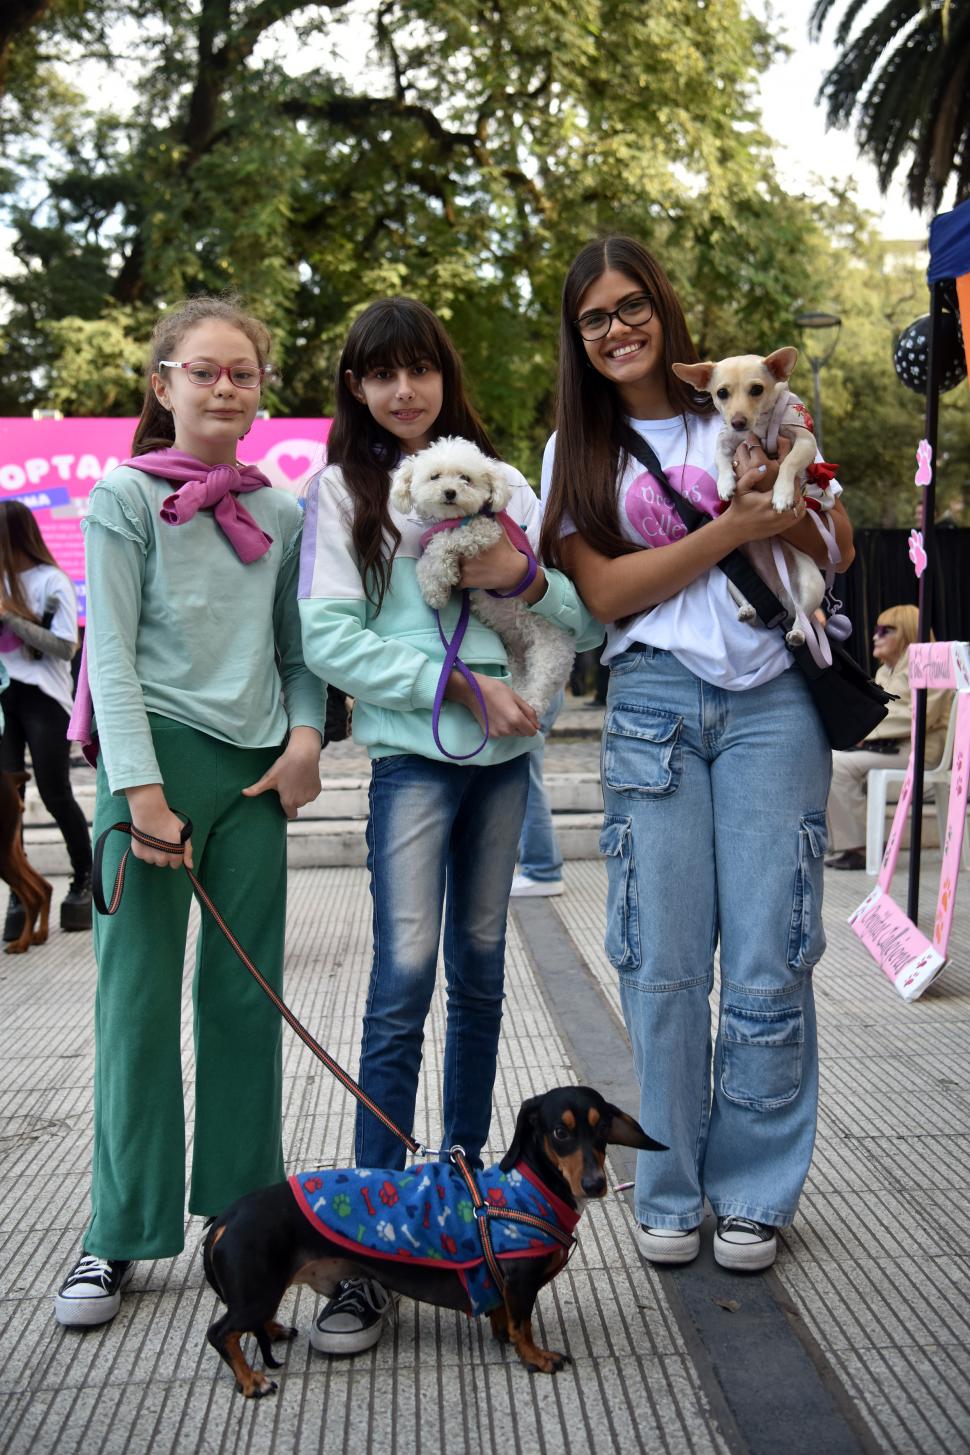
(888, 745)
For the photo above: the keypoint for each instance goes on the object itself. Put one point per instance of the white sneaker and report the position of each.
(91, 1292)
(744, 1245)
(523, 887)
(354, 1318)
(668, 1245)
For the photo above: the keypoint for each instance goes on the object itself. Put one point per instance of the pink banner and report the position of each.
(52, 465)
(940, 664)
(904, 953)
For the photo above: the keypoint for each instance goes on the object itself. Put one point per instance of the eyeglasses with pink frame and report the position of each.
(205, 375)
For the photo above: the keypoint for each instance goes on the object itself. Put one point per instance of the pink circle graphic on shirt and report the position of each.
(654, 518)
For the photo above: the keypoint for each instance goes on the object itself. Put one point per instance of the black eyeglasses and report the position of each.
(597, 323)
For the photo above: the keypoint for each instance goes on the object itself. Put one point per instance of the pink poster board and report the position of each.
(908, 958)
(52, 465)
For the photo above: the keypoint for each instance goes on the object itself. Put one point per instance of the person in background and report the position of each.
(887, 746)
(38, 638)
(540, 862)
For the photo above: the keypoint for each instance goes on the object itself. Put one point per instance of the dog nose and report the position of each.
(449, 494)
(738, 421)
(594, 1184)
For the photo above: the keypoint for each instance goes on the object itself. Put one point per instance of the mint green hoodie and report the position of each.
(390, 661)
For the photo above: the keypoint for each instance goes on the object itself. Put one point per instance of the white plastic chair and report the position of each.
(938, 778)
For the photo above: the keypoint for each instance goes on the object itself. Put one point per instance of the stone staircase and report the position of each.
(330, 832)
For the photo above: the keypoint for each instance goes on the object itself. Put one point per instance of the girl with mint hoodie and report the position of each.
(441, 833)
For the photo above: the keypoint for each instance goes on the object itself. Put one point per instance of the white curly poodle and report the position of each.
(453, 479)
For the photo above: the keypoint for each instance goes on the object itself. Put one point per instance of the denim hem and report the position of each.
(685, 1223)
(538, 877)
(769, 1215)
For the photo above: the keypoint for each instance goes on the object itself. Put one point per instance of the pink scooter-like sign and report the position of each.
(908, 958)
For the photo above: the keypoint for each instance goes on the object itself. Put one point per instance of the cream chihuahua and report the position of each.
(752, 396)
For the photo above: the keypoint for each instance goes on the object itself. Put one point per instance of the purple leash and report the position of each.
(452, 660)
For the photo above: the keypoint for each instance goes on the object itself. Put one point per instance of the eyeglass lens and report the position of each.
(883, 631)
(243, 376)
(631, 311)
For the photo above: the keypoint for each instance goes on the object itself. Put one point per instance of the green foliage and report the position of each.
(462, 151)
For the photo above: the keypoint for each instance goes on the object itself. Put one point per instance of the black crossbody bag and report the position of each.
(849, 703)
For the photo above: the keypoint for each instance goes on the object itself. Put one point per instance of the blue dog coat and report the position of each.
(425, 1215)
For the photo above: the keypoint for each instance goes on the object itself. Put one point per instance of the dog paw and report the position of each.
(257, 1387)
(796, 637)
(747, 613)
(726, 485)
(545, 1361)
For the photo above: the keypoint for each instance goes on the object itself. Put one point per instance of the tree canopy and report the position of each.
(316, 156)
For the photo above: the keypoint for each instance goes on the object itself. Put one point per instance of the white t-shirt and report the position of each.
(46, 588)
(699, 625)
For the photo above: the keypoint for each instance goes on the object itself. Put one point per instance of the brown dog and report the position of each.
(31, 888)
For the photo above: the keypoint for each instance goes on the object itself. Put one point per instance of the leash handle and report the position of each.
(453, 661)
(109, 908)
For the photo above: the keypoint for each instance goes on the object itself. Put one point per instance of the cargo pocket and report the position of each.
(806, 938)
(622, 941)
(641, 751)
(761, 1056)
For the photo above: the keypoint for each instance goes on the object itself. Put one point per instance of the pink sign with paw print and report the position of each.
(52, 465)
(908, 958)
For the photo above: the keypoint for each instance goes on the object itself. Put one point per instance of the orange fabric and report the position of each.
(963, 294)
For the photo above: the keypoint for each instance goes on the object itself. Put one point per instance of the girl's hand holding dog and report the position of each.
(501, 568)
(150, 813)
(751, 511)
(296, 773)
(509, 716)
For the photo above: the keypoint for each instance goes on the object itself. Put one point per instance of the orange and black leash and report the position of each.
(483, 1211)
(111, 907)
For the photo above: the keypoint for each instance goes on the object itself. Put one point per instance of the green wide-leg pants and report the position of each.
(239, 851)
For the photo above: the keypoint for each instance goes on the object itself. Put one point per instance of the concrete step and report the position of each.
(346, 798)
(328, 843)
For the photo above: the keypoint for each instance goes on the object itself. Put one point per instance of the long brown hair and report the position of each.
(20, 535)
(156, 427)
(391, 333)
(590, 418)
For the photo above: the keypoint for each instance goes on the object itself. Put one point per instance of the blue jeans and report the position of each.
(714, 831)
(539, 855)
(441, 840)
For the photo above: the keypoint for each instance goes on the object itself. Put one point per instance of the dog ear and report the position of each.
(625, 1132)
(781, 363)
(498, 489)
(697, 374)
(401, 482)
(526, 1124)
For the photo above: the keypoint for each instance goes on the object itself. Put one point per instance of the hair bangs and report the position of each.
(393, 335)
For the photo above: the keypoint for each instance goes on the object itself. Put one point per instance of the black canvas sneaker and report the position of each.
(354, 1318)
(91, 1292)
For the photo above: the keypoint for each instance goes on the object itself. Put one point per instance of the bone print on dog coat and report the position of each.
(424, 1215)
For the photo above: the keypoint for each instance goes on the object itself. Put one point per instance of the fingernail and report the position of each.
(762, 469)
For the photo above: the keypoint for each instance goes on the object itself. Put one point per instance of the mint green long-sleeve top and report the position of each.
(178, 625)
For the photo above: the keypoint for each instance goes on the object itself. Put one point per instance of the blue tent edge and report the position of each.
(950, 244)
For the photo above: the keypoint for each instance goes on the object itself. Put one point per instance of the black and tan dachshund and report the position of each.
(269, 1240)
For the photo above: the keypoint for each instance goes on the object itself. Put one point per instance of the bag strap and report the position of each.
(736, 566)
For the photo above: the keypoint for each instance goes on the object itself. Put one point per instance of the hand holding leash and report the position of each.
(158, 827)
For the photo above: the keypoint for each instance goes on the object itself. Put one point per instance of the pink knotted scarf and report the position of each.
(204, 487)
(210, 487)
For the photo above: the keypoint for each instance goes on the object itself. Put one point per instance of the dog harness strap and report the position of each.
(479, 1204)
(97, 892)
(782, 404)
(453, 661)
(522, 544)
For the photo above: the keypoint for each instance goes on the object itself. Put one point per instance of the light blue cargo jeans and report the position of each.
(714, 834)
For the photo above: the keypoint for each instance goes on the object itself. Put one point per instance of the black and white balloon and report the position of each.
(911, 357)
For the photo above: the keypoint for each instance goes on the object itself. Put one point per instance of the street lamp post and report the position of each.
(820, 321)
